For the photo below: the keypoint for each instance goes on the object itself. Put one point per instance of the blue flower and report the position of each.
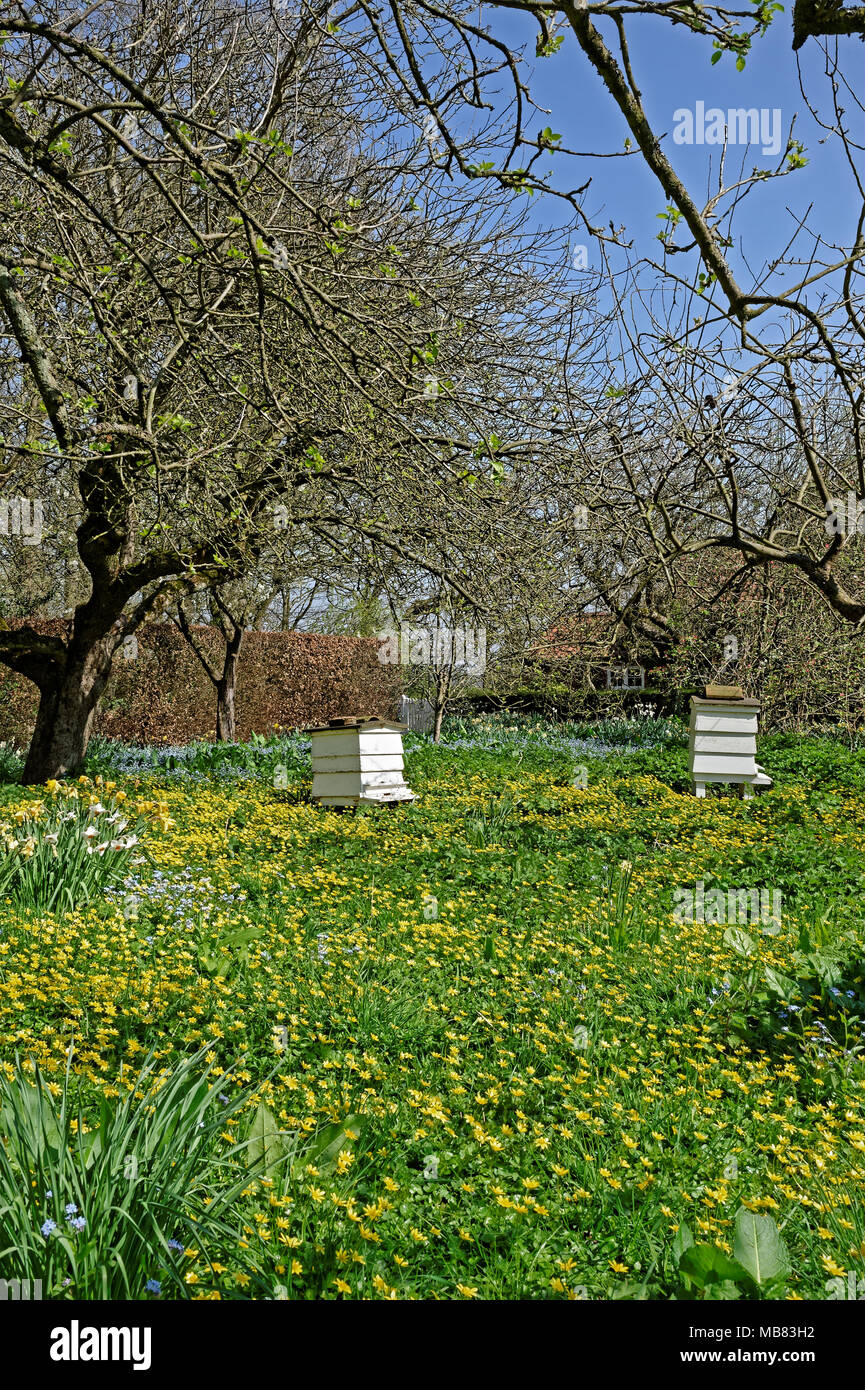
(153, 1286)
(47, 1227)
(176, 1245)
(834, 992)
(49, 1194)
(71, 1209)
(77, 1223)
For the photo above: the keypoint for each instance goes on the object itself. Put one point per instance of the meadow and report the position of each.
(463, 1048)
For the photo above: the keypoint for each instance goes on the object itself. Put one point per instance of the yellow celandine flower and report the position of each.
(341, 1285)
(467, 1291)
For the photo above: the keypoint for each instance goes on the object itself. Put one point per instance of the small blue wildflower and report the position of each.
(47, 1227)
(835, 992)
(176, 1245)
(77, 1223)
(153, 1286)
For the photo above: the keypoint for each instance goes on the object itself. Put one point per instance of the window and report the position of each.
(625, 678)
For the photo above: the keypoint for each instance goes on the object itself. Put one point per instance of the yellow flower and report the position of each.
(467, 1291)
(341, 1285)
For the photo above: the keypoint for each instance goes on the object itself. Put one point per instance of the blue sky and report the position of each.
(673, 70)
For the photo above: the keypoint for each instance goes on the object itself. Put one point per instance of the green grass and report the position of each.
(460, 1048)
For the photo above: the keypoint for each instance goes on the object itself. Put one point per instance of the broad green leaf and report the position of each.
(779, 984)
(325, 1149)
(706, 1264)
(682, 1240)
(268, 1145)
(739, 940)
(724, 1291)
(759, 1248)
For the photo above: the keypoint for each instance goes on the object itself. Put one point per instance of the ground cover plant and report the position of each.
(466, 1048)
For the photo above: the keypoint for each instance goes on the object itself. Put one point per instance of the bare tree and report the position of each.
(236, 281)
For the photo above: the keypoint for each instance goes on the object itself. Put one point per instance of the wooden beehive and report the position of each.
(722, 742)
(358, 759)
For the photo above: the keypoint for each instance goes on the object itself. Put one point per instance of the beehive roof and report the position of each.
(355, 721)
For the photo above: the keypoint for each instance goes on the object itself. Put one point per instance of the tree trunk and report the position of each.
(67, 707)
(437, 722)
(226, 687)
(226, 717)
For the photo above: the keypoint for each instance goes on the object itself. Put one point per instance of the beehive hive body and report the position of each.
(722, 743)
(363, 762)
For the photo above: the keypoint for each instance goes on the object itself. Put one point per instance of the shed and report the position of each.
(358, 759)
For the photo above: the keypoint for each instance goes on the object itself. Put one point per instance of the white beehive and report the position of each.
(358, 759)
(722, 744)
